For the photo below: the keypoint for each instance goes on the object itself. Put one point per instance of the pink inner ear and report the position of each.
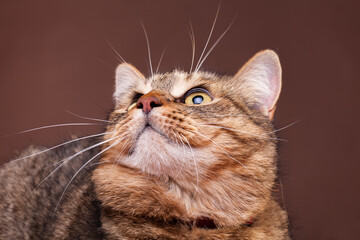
(260, 81)
(275, 88)
(126, 77)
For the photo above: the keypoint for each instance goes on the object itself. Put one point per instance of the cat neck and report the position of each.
(130, 192)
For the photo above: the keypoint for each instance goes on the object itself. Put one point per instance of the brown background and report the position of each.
(54, 56)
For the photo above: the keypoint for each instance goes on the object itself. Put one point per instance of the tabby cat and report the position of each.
(184, 156)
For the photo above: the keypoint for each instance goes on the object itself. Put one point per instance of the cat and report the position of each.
(184, 156)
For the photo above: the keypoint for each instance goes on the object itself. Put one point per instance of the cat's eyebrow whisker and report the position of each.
(81, 168)
(62, 162)
(161, 57)
(277, 130)
(116, 52)
(148, 48)
(221, 149)
(59, 145)
(195, 164)
(210, 34)
(88, 118)
(59, 125)
(192, 39)
(214, 45)
(120, 57)
(235, 130)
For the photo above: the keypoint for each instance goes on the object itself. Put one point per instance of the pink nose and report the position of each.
(148, 102)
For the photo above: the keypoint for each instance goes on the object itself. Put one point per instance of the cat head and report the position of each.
(207, 137)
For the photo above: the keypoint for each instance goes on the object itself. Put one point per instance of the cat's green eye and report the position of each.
(132, 106)
(197, 96)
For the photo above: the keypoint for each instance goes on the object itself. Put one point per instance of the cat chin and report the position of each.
(155, 154)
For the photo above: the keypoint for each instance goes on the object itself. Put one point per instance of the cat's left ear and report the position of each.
(259, 81)
(128, 79)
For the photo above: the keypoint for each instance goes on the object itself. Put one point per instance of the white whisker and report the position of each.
(88, 118)
(59, 125)
(117, 159)
(183, 161)
(195, 164)
(121, 58)
(192, 39)
(207, 42)
(98, 163)
(82, 167)
(213, 46)
(105, 63)
(162, 55)
(73, 156)
(221, 149)
(277, 130)
(59, 145)
(148, 48)
(235, 130)
(283, 201)
(234, 115)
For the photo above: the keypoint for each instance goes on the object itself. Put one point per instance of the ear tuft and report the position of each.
(127, 78)
(259, 81)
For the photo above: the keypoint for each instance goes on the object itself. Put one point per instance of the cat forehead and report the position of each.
(176, 83)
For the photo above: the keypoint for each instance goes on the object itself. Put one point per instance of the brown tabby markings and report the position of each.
(216, 191)
(164, 169)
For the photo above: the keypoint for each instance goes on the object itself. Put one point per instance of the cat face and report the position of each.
(203, 133)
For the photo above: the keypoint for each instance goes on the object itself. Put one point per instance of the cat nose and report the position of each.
(148, 102)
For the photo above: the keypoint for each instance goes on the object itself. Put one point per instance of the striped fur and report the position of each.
(215, 161)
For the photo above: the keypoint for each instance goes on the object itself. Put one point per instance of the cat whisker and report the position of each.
(148, 48)
(121, 59)
(233, 115)
(161, 57)
(117, 158)
(176, 139)
(195, 164)
(236, 130)
(81, 168)
(210, 34)
(280, 129)
(222, 149)
(283, 202)
(183, 162)
(88, 118)
(59, 145)
(58, 125)
(98, 163)
(105, 63)
(116, 52)
(214, 45)
(192, 39)
(62, 162)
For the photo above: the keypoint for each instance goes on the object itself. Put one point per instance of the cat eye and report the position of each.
(197, 96)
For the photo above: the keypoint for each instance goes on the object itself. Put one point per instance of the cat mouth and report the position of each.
(149, 128)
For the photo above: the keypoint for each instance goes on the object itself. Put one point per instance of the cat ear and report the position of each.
(127, 78)
(259, 81)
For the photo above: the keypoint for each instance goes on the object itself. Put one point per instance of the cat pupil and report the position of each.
(197, 99)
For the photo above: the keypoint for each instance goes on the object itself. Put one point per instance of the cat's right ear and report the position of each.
(127, 79)
(259, 82)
